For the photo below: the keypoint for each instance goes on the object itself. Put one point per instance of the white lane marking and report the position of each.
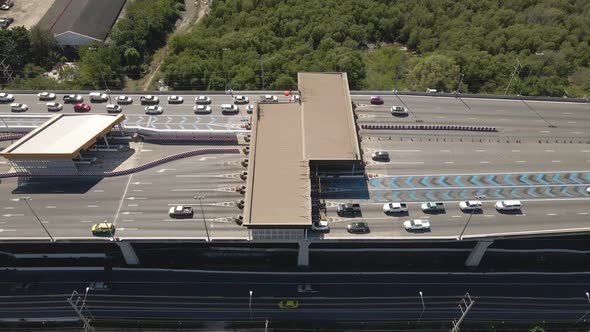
(585, 151)
(457, 216)
(582, 213)
(445, 150)
(122, 200)
(552, 214)
(7, 230)
(92, 206)
(9, 208)
(484, 162)
(127, 229)
(403, 150)
(12, 215)
(199, 176)
(567, 113)
(480, 150)
(576, 132)
(50, 207)
(549, 150)
(138, 183)
(488, 215)
(131, 212)
(135, 198)
(132, 204)
(555, 161)
(137, 190)
(500, 173)
(98, 191)
(128, 220)
(86, 221)
(407, 162)
(544, 131)
(515, 150)
(449, 162)
(520, 161)
(165, 169)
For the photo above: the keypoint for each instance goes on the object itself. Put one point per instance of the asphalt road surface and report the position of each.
(329, 297)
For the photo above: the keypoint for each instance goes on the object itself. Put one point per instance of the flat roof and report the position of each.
(278, 185)
(62, 136)
(328, 118)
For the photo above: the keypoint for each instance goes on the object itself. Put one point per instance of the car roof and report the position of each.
(512, 202)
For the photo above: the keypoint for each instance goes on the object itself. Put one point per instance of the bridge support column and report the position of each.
(303, 254)
(477, 253)
(128, 253)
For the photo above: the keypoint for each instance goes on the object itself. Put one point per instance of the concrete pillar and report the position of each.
(106, 141)
(477, 253)
(128, 252)
(121, 129)
(303, 254)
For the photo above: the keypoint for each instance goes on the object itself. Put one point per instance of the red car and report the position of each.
(376, 100)
(81, 107)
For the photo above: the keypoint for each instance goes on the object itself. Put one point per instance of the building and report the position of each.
(81, 22)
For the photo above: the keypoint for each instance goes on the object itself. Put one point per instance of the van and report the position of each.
(229, 108)
(508, 205)
(97, 96)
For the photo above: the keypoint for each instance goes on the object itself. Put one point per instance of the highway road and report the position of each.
(539, 155)
(153, 294)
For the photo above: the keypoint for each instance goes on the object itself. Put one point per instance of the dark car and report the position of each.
(380, 156)
(376, 100)
(358, 227)
(348, 208)
(5, 22)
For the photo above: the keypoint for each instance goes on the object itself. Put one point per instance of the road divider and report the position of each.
(428, 127)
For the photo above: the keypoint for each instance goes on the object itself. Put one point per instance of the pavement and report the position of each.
(193, 295)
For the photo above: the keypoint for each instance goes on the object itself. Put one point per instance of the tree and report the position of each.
(99, 67)
(436, 72)
(43, 48)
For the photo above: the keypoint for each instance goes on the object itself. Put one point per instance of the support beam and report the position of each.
(106, 141)
(128, 253)
(477, 253)
(303, 254)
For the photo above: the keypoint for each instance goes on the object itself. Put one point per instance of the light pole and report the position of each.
(26, 200)
(106, 87)
(469, 219)
(84, 300)
(227, 78)
(250, 304)
(200, 198)
(423, 306)
(586, 313)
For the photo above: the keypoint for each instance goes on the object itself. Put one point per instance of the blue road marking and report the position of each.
(392, 183)
(408, 182)
(412, 195)
(548, 192)
(531, 192)
(539, 178)
(447, 195)
(429, 196)
(491, 179)
(424, 181)
(396, 195)
(582, 190)
(514, 193)
(458, 181)
(480, 192)
(496, 193)
(573, 178)
(462, 194)
(556, 178)
(473, 180)
(523, 178)
(508, 180)
(441, 181)
(587, 176)
(564, 191)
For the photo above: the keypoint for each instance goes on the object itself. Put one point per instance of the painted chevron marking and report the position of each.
(472, 180)
(374, 182)
(564, 191)
(548, 192)
(539, 178)
(496, 193)
(523, 178)
(514, 193)
(458, 181)
(492, 180)
(507, 179)
(462, 194)
(408, 182)
(441, 181)
(392, 183)
(429, 195)
(555, 178)
(447, 195)
(412, 195)
(424, 181)
(480, 192)
(573, 177)
(531, 192)
(587, 176)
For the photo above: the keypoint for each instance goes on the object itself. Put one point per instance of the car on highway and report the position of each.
(395, 207)
(269, 99)
(72, 98)
(295, 98)
(229, 109)
(511, 205)
(103, 228)
(17, 107)
(81, 107)
(588, 190)
(124, 100)
(241, 100)
(320, 225)
(46, 95)
(417, 225)
(98, 97)
(358, 227)
(348, 208)
(6, 5)
(6, 97)
(202, 100)
(399, 110)
(380, 156)
(376, 100)
(202, 109)
(174, 99)
(54, 107)
(114, 108)
(180, 211)
(470, 205)
(250, 109)
(5, 22)
(289, 304)
(149, 100)
(154, 110)
(432, 207)
(99, 286)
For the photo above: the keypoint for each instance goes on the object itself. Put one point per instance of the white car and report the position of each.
(114, 108)
(98, 96)
(46, 95)
(175, 99)
(202, 100)
(202, 109)
(54, 107)
(295, 98)
(149, 99)
(588, 190)
(416, 224)
(511, 205)
(124, 100)
(241, 100)
(470, 205)
(320, 225)
(6, 97)
(16, 107)
(395, 207)
(399, 110)
(269, 99)
(73, 98)
(154, 110)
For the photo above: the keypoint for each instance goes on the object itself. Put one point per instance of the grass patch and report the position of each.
(386, 68)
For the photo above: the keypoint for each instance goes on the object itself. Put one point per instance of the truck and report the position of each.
(395, 207)
(180, 211)
(348, 208)
(432, 207)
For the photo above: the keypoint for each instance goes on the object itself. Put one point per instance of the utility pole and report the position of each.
(423, 306)
(469, 219)
(262, 71)
(78, 310)
(460, 83)
(463, 303)
(514, 72)
(200, 198)
(5, 69)
(26, 200)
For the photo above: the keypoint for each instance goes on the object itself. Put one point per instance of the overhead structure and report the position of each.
(52, 147)
(291, 144)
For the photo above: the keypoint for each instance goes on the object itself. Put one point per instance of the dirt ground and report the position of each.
(28, 12)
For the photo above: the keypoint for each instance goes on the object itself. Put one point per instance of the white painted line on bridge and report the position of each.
(583, 213)
(484, 162)
(86, 221)
(51, 207)
(132, 204)
(93, 206)
(482, 187)
(12, 215)
(449, 162)
(520, 161)
(9, 208)
(407, 162)
(486, 174)
(552, 214)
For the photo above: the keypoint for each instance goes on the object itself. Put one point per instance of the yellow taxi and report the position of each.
(103, 228)
(289, 304)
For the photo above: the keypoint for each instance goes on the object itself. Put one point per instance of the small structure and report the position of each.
(52, 147)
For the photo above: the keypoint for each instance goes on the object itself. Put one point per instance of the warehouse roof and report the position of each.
(62, 136)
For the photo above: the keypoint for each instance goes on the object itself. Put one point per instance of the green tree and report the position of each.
(436, 72)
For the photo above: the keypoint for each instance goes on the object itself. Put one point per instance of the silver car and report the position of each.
(202, 100)
(54, 107)
(154, 110)
(16, 107)
(202, 109)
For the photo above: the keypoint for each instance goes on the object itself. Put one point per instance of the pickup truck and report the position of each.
(433, 207)
(320, 225)
(348, 208)
(395, 207)
(180, 211)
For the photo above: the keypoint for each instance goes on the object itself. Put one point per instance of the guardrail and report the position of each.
(427, 127)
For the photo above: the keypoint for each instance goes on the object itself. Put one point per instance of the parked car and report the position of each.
(46, 95)
(348, 208)
(417, 225)
(433, 207)
(17, 107)
(5, 22)
(154, 110)
(114, 108)
(376, 100)
(358, 227)
(175, 99)
(241, 100)
(380, 156)
(73, 98)
(202, 100)
(399, 110)
(511, 205)
(81, 107)
(149, 100)
(470, 205)
(6, 97)
(6, 5)
(124, 100)
(202, 109)
(54, 107)
(395, 207)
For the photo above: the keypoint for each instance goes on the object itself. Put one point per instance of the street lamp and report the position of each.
(26, 200)
(423, 306)
(84, 300)
(200, 198)
(250, 304)
(107, 90)
(469, 219)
